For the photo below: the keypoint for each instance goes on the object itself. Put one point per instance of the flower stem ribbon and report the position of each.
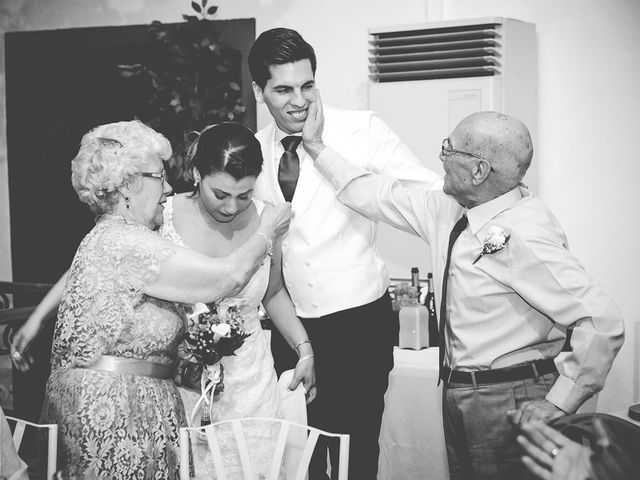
(211, 377)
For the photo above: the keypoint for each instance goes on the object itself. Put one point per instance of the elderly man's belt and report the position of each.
(500, 375)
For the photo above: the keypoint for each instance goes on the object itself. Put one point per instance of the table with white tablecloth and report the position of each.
(411, 439)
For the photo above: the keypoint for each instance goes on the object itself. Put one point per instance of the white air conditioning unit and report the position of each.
(425, 78)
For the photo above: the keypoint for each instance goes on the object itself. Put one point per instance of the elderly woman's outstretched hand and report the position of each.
(20, 345)
(275, 219)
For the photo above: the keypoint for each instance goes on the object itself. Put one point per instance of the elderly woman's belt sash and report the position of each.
(132, 366)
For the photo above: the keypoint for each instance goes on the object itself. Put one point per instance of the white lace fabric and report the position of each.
(115, 425)
(250, 383)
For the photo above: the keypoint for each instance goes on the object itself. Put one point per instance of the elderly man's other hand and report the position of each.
(540, 410)
(313, 127)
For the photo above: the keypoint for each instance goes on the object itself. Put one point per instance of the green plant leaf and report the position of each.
(204, 3)
(212, 10)
(196, 7)
(192, 84)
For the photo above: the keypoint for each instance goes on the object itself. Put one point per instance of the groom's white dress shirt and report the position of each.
(330, 262)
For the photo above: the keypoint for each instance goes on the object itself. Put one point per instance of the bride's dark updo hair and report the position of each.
(228, 147)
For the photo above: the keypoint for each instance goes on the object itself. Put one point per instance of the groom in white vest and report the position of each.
(336, 279)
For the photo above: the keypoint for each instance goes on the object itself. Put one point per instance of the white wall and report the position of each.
(587, 154)
(589, 106)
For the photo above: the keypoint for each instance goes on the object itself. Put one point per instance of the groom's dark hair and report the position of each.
(277, 47)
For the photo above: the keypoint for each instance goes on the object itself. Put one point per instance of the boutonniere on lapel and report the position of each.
(495, 241)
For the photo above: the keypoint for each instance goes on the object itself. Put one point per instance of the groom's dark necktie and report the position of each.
(289, 167)
(458, 228)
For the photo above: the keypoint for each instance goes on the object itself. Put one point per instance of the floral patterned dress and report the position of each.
(112, 425)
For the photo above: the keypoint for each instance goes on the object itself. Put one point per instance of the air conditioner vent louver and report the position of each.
(430, 53)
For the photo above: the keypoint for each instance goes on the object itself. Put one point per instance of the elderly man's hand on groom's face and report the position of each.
(313, 127)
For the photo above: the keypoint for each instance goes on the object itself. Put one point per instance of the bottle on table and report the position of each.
(414, 318)
(415, 278)
(430, 303)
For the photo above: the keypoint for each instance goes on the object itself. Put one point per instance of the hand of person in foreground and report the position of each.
(552, 456)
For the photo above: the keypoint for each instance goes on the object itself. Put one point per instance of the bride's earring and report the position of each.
(196, 182)
(126, 202)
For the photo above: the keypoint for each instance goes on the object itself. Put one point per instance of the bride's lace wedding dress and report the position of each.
(250, 383)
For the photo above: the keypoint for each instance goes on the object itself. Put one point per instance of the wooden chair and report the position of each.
(279, 452)
(52, 441)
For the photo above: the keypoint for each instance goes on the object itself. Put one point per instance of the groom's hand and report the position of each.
(313, 127)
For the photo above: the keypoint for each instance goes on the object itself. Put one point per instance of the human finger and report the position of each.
(536, 469)
(544, 437)
(514, 416)
(536, 452)
(21, 359)
(551, 434)
(295, 381)
(311, 394)
(319, 106)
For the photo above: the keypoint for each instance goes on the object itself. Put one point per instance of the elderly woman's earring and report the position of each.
(196, 182)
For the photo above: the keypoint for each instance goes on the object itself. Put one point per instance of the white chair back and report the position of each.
(279, 451)
(52, 443)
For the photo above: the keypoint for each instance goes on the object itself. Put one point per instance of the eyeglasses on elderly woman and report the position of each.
(159, 175)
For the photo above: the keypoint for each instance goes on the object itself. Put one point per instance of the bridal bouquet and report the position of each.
(213, 331)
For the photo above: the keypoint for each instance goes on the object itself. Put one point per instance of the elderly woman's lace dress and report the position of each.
(250, 383)
(112, 425)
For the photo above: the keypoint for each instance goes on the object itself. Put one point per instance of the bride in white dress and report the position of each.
(216, 218)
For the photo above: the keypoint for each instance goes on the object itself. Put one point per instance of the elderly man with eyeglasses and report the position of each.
(508, 285)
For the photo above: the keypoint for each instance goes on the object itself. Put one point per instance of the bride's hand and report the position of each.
(305, 373)
(275, 219)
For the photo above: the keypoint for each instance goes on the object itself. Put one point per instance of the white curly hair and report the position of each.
(110, 156)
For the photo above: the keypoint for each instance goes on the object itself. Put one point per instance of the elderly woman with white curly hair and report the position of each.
(115, 346)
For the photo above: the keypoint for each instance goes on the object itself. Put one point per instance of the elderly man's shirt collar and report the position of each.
(480, 215)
